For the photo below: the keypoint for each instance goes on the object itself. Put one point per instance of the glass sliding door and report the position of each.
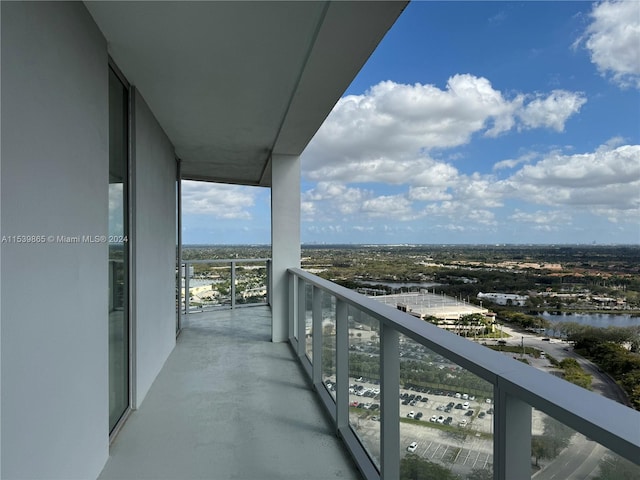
(118, 251)
(178, 247)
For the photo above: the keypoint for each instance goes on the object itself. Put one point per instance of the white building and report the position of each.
(449, 311)
(504, 298)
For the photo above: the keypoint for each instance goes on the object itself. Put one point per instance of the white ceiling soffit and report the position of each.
(233, 82)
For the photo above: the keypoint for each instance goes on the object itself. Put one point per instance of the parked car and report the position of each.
(412, 447)
(411, 414)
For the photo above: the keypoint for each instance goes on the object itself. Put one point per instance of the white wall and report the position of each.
(155, 234)
(54, 296)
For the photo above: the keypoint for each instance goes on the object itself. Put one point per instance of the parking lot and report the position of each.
(460, 447)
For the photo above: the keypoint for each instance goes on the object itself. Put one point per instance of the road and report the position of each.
(579, 461)
(601, 383)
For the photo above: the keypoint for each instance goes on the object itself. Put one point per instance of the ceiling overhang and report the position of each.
(232, 83)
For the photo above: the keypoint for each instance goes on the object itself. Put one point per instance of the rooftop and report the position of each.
(429, 304)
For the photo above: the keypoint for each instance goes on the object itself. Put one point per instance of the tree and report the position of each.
(412, 467)
(613, 467)
(542, 447)
(480, 474)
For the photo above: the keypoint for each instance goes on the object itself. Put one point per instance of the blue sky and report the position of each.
(472, 122)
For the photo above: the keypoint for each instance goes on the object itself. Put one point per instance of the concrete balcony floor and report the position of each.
(229, 404)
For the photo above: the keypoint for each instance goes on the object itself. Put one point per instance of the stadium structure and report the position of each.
(447, 312)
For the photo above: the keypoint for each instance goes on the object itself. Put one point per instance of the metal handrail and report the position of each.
(516, 385)
(232, 263)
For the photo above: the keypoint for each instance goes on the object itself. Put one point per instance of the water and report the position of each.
(400, 284)
(594, 319)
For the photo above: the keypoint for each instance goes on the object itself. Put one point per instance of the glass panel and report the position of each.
(558, 451)
(308, 310)
(296, 284)
(118, 253)
(329, 343)
(364, 380)
(446, 417)
(251, 283)
(615, 467)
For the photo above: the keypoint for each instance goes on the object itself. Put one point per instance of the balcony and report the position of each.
(229, 403)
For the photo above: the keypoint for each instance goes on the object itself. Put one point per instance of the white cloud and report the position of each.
(605, 180)
(333, 201)
(428, 194)
(613, 40)
(389, 206)
(330, 200)
(551, 111)
(604, 183)
(217, 200)
(603, 167)
(360, 228)
(514, 162)
(386, 134)
(541, 217)
(479, 191)
(116, 217)
(460, 212)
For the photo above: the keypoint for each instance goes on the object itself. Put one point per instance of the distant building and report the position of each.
(504, 298)
(447, 310)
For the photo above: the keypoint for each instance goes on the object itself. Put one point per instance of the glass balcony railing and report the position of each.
(411, 400)
(223, 283)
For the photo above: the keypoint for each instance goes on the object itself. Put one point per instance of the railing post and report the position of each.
(390, 405)
(268, 282)
(302, 318)
(233, 284)
(512, 438)
(186, 288)
(342, 366)
(316, 336)
(293, 304)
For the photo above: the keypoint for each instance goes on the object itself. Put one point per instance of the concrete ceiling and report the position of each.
(232, 83)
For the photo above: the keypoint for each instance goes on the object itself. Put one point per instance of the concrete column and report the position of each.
(285, 236)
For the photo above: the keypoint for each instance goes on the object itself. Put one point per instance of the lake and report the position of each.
(399, 284)
(594, 319)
